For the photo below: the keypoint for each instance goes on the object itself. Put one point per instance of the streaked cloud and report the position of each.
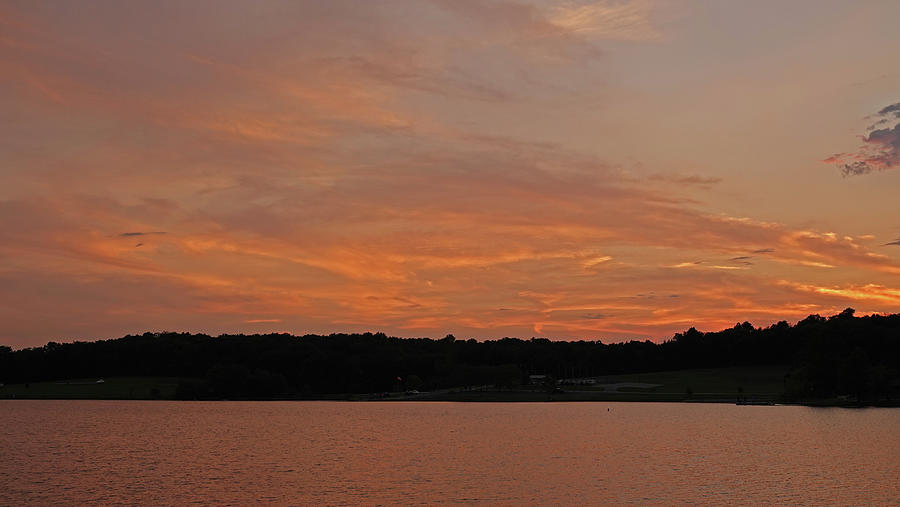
(621, 20)
(693, 179)
(868, 292)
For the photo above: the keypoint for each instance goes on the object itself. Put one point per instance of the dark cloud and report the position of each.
(743, 259)
(595, 316)
(856, 168)
(763, 250)
(883, 121)
(138, 233)
(400, 301)
(653, 295)
(891, 109)
(896, 242)
(881, 146)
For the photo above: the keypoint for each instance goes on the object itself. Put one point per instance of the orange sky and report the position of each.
(597, 170)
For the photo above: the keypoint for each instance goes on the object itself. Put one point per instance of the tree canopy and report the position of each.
(839, 355)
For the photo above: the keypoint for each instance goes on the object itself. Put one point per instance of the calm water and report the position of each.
(312, 453)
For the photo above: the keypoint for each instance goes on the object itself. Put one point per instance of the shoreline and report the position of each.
(746, 386)
(495, 397)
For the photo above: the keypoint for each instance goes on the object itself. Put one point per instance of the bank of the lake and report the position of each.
(743, 385)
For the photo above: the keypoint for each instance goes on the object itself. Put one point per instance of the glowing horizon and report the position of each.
(589, 170)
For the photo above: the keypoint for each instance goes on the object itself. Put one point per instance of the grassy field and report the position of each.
(757, 383)
(760, 383)
(122, 388)
(535, 396)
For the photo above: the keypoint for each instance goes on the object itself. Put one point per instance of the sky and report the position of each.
(615, 169)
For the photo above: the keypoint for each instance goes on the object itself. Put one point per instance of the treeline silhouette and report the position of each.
(841, 355)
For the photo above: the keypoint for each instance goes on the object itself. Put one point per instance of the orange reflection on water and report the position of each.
(315, 453)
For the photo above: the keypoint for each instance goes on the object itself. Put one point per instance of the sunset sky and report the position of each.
(594, 170)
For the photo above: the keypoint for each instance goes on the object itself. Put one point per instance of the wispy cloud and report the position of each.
(621, 20)
(873, 292)
(326, 167)
(692, 179)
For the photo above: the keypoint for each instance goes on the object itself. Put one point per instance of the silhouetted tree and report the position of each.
(843, 355)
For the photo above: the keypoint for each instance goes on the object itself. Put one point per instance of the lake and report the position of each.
(420, 453)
